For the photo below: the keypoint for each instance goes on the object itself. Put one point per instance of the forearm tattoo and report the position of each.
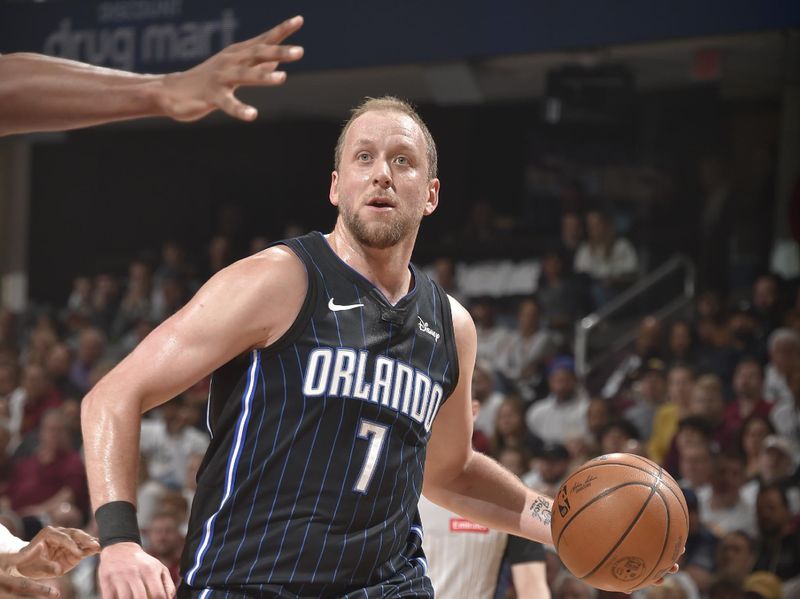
(542, 509)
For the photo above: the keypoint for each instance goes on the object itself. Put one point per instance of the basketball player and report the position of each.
(340, 370)
(42, 93)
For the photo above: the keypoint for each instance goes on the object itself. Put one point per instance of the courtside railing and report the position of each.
(584, 362)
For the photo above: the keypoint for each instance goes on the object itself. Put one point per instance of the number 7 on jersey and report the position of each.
(375, 434)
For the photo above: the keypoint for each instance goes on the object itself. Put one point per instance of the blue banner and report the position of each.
(163, 35)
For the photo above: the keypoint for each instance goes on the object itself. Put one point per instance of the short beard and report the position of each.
(379, 236)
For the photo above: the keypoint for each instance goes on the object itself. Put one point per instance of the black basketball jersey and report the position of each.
(311, 481)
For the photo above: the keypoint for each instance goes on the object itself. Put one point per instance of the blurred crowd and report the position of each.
(713, 395)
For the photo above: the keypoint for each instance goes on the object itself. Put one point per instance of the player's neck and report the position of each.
(387, 269)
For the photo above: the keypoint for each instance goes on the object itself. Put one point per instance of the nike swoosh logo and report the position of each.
(337, 308)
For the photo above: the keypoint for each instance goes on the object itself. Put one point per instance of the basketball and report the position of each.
(619, 522)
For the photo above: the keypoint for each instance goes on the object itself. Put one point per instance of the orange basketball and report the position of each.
(619, 522)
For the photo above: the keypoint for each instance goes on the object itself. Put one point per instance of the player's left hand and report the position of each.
(55, 551)
(192, 94)
(672, 570)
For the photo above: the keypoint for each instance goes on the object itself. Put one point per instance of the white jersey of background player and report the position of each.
(464, 558)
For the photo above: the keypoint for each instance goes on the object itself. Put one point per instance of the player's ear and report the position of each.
(333, 194)
(433, 197)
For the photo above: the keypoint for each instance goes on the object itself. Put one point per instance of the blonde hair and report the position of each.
(390, 104)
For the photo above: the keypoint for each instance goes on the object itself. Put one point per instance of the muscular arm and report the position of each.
(466, 482)
(249, 304)
(42, 93)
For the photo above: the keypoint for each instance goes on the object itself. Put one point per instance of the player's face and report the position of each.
(382, 187)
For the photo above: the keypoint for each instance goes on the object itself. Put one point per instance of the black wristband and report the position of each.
(116, 523)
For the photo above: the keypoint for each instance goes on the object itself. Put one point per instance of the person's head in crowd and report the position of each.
(175, 503)
(762, 585)
(91, 346)
(58, 361)
(707, 399)
(444, 269)
(694, 465)
(649, 336)
(35, 383)
(510, 428)
(652, 383)
(599, 228)
(776, 462)
(766, 294)
(54, 437)
(566, 586)
(483, 381)
(528, 316)
(727, 476)
(139, 278)
(482, 311)
(42, 340)
(680, 380)
(514, 459)
(748, 379)
(552, 462)
(619, 436)
(219, 253)
(598, 415)
(163, 538)
(173, 292)
(772, 511)
(709, 305)
(8, 378)
(178, 415)
(735, 556)
(571, 230)
(173, 256)
(692, 431)
(680, 341)
(561, 378)
(98, 371)
(106, 291)
(784, 347)
(755, 429)
(725, 588)
(553, 267)
(743, 325)
(71, 412)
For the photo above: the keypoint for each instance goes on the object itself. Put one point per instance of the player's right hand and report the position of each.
(14, 587)
(192, 94)
(128, 572)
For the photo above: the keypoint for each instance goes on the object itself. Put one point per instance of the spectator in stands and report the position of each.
(598, 415)
(701, 544)
(8, 383)
(515, 460)
(562, 414)
(695, 464)
(486, 394)
(785, 416)
(510, 429)
(609, 260)
(779, 537)
(444, 273)
(680, 344)
(647, 345)
(619, 436)
(136, 303)
(777, 464)
(529, 346)
(736, 555)
(492, 337)
(58, 365)
(91, 347)
(561, 294)
(29, 402)
(743, 329)
(764, 585)
(172, 297)
(220, 255)
(106, 297)
(550, 469)
(767, 304)
(725, 509)
(680, 380)
(168, 441)
(47, 484)
(173, 264)
(747, 394)
(752, 434)
(164, 541)
(41, 340)
(648, 394)
(784, 352)
(571, 236)
(707, 402)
